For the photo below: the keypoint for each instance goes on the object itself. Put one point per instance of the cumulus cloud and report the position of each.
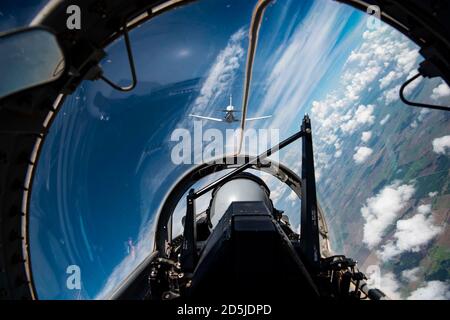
(384, 59)
(411, 234)
(423, 114)
(318, 40)
(314, 40)
(381, 211)
(386, 50)
(411, 275)
(362, 154)
(433, 194)
(293, 197)
(420, 118)
(433, 290)
(389, 285)
(440, 145)
(442, 91)
(363, 115)
(413, 85)
(407, 61)
(366, 136)
(222, 73)
(391, 95)
(277, 192)
(424, 209)
(388, 79)
(385, 120)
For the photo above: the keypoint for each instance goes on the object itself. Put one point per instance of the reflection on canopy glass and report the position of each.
(106, 164)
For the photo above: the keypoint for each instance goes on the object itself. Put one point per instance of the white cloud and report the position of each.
(381, 211)
(385, 120)
(442, 91)
(385, 49)
(222, 73)
(293, 196)
(391, 95)
(411, 275)
(388, 79)
(389, 285)
(407, 61)
(284, 70)
(413, 85)
(420, 118)
(277, 191)
(423, 114)
(424, 209)
(411, 234)
(363, 115)
(219, 78)
(362, 154)
(360, 80)
(292, 199)
(433, 194)
(440, 145)
(366, 136)
(433, 290)
(384, 58)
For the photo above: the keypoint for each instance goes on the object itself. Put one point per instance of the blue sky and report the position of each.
(105, 166)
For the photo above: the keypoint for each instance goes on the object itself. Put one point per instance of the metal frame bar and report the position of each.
(132, 66)
(309, 233)
(418, 104)
(247, 165)
(188, 257)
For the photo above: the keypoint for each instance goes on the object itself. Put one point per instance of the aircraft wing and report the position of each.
(258, 118)
(205, 118)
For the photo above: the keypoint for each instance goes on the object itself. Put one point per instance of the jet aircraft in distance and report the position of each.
(230, 115)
